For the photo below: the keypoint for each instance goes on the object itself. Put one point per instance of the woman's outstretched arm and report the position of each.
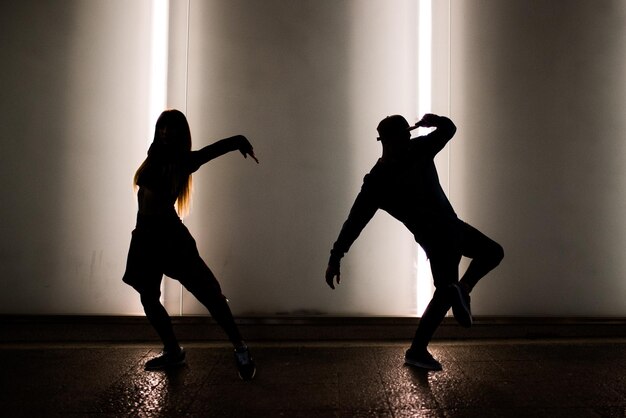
(221, 147)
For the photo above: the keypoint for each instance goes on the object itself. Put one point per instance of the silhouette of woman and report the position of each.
(161, 244)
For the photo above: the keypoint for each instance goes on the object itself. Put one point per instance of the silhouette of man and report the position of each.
(404, 182)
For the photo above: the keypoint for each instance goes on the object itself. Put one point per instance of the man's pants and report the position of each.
(444, 259)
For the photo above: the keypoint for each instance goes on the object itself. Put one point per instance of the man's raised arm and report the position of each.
(436, 140)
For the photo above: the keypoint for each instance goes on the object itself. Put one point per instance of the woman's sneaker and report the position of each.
(461, 309)
(166, 360)
(421, 359)
(245, 365)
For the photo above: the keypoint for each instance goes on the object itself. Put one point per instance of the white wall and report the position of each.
(307, 82)
(539, 162)
(537, 91)
(73, 116)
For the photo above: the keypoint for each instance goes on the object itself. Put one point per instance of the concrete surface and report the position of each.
(499, 378)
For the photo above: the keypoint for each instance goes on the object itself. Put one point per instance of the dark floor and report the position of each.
(511, 378)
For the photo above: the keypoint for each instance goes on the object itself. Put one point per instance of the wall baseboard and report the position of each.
(71, 328)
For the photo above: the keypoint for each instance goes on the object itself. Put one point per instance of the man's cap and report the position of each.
(392, 126)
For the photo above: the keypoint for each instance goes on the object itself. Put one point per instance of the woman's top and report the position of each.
(157, 193)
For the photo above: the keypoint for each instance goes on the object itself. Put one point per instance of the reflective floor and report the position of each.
(575, 378)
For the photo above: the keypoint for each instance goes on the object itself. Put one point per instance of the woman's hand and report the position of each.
(246, 148)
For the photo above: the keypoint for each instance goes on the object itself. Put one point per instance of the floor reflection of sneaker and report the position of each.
(421, 359)
(166, 360)
(245, 365)
(461, 305)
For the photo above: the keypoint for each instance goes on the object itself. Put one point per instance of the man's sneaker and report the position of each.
(421, 359)
(461, 305)
(245, 365)
(166, 360)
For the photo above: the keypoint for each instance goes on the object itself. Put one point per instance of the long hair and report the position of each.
(171, 144)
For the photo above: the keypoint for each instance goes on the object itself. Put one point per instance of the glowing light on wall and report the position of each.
(424, 51)
(424, 285)
(159, 33)
(159, 45)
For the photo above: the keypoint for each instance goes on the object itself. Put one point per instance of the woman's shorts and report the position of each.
(158, 248)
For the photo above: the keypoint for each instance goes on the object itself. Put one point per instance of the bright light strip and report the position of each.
(424, 287)
(159, 45)
(424, 61)
(159, 34)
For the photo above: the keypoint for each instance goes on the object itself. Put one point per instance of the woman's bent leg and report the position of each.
(201, 282)
(160, 321)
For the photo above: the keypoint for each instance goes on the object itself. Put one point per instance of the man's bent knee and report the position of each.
(496, 254)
